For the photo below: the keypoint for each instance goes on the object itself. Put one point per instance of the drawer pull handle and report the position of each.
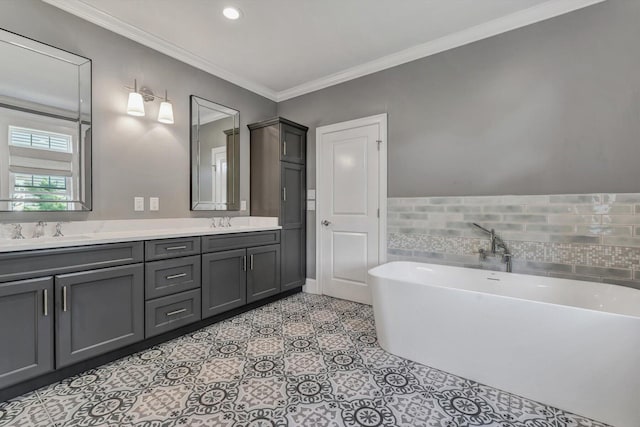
(64, 298)
(175, 276)
(244, 263)
(175, 248)
(173, 313)
(251, 261)
(45, 298)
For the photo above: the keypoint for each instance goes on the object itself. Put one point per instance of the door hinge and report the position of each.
(379, 141)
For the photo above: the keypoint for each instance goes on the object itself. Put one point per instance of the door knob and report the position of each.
(326, 223)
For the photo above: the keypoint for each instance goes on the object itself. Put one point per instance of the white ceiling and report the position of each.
(284, 48)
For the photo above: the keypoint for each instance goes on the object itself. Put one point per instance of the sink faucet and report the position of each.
(497, 243)
(39, 230)
(58, 230)
(16, 232)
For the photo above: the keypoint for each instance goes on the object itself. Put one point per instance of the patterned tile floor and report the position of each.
(306, 360)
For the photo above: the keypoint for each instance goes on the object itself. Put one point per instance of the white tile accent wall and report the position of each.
(584, 236)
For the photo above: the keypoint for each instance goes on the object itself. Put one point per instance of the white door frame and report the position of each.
(381, 120)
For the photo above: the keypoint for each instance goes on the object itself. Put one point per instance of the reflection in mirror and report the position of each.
(45, 127)
(215, 156)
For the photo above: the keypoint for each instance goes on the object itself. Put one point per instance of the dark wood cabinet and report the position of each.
(278, 188)
(224, 281)
(263, 272)
(98, 311)
(293, 139)
(26, 329)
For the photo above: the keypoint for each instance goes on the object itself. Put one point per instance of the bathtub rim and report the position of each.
(372, 272)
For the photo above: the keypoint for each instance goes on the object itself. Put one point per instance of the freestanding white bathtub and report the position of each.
(570, 344)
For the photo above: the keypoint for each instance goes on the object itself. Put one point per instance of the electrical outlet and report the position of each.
(154, 203)
(138, 204)
(243, 205)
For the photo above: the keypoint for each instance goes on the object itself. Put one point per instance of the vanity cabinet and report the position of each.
(26, 329)
(278, 188)
(66, 309)
(98, 311)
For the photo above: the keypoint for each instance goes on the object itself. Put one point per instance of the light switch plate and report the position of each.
(243, 205)
(311, 205)
(138, 204)
(154, 203)
(311, 194)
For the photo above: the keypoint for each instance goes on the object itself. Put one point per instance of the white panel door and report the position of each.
(348, 209)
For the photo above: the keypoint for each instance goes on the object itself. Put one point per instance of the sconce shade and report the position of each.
(165, 115)
(135, 107)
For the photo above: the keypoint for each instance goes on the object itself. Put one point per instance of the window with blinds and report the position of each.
(31, 138)
(40, 169)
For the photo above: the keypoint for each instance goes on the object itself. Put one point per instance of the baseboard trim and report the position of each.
(311, 287)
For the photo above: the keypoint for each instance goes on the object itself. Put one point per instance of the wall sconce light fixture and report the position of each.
(137, 98)
(165, 115)
(135, 106)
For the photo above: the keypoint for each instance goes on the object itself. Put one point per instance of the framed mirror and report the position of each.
(215, 156)
(45, 127)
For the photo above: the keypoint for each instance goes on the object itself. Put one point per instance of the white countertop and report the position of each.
(84, 233)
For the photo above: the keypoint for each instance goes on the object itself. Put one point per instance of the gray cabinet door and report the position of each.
(293, 144)
(26, 330)
(293, 269)
(98, 311)
(293, 209)
(224, 281)
(263, 274)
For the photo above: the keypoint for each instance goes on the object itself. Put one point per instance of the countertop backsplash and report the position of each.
(593, 237)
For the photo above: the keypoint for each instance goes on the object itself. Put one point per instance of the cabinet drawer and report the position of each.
(171, 248)
(46, 262)
(170, 312)
(223, 242)
(171, 276)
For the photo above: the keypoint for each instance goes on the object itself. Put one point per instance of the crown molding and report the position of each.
(522, 18)
(111, 23)
(541, 12)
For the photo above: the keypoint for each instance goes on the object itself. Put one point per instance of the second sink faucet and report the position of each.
(38, 231)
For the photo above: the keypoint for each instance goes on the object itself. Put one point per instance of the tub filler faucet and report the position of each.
(496, 243)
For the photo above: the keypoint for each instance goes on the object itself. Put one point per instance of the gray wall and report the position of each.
(134, 156)
(546, 109)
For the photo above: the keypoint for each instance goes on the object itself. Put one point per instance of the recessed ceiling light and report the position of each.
(231, 13)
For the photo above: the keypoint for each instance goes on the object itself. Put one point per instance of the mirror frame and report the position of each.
(195, 203)
(86, 173)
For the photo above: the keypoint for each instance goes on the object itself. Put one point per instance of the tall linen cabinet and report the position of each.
(278, 189)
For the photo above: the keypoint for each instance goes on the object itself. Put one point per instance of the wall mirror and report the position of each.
(45, 127)
(215, 156)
